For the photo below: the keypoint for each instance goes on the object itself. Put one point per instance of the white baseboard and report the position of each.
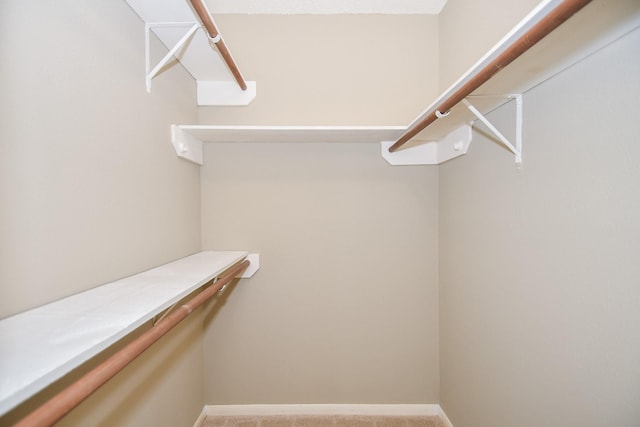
(444, 418)
(201, 418)
(324, 409)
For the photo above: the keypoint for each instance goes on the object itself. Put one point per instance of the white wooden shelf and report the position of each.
(293, 133)
(188, 139)
(41, 345)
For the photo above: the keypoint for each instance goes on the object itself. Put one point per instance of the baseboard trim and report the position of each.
(323, 409)
(201, 418)
(427, 410)
(443, 417)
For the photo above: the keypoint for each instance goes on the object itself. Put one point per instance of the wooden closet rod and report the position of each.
(63, 402)
(547, 24)
(214, 34)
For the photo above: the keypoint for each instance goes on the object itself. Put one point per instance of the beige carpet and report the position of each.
(321, 421)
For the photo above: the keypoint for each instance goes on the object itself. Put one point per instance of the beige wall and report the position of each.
(91, 188)
(332, 69)
(539, 271)
(469, 28)
(344, 307)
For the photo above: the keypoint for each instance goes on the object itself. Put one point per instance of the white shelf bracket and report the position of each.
(151, 73)
(517, 149)
(187, 146)
(254, 266)
(254, 259)
(216, 93)
(452, 145)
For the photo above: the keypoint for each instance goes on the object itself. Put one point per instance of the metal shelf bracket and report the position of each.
(515, 149)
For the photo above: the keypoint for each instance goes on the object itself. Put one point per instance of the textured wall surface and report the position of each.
(91, 188)
(331, 70)
(539, 271)
(344, 307)
(469, 28)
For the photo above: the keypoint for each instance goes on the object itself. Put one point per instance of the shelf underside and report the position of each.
(294, 133)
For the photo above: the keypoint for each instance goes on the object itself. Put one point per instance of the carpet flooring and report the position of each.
(321, 421)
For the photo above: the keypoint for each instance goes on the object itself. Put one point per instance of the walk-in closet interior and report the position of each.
(362, 208)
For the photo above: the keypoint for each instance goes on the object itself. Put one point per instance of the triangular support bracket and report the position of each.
(151, 73)
(452, 145)
(516, 148)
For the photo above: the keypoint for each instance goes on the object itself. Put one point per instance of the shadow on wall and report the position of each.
(213, 306)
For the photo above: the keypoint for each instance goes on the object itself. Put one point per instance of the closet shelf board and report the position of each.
(40, 346)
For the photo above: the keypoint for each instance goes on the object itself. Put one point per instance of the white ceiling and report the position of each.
(325, 7)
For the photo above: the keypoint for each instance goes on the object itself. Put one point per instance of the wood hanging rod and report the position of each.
(546, 25)
(63, 402)
(214, 34)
